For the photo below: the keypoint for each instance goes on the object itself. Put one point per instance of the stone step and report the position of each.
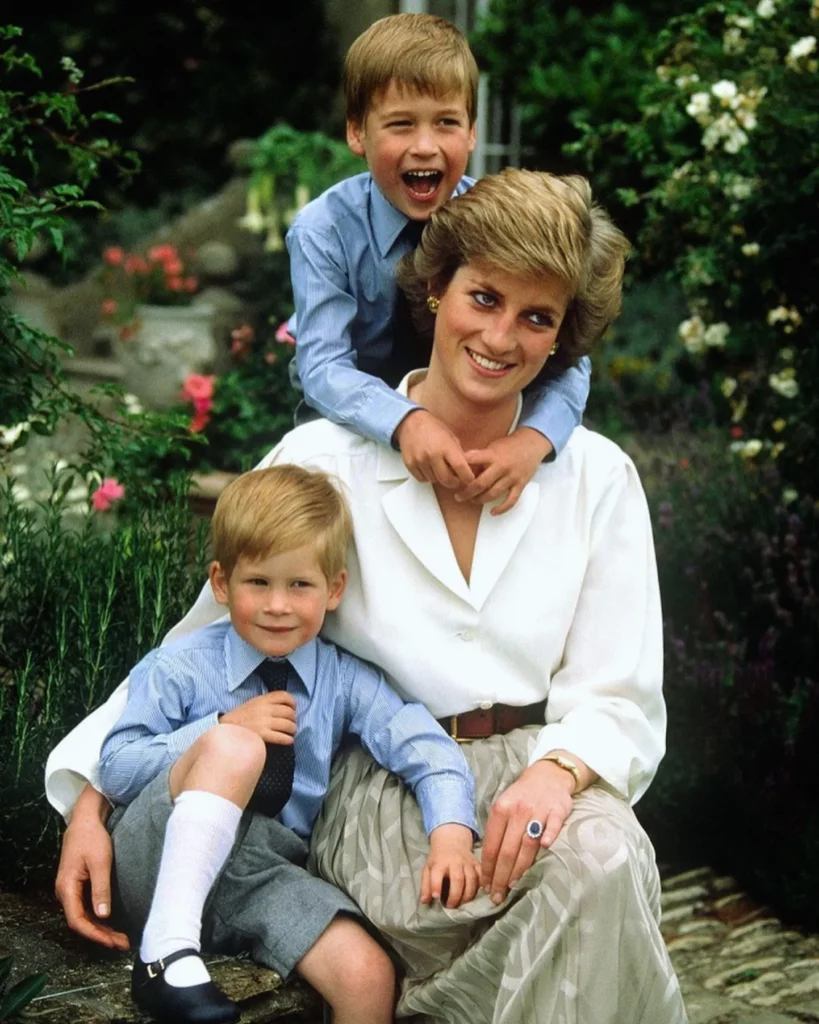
(91, 985)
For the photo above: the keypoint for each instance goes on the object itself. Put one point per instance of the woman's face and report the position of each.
(495, 330)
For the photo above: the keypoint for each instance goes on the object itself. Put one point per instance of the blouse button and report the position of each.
(485, 705)
(467, 634)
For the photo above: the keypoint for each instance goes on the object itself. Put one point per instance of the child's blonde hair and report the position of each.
(269, 511)
(422, 53)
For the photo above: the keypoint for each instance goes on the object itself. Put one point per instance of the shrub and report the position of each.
(739, 574)
(728, 136)
(79, 605)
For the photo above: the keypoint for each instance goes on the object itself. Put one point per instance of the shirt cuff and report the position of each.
(554, 420)
(382, 414)
(446, 801)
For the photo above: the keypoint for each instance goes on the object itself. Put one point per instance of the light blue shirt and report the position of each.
(344, 247)
(177, 692)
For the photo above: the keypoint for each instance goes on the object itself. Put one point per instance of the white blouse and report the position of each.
(562, 603)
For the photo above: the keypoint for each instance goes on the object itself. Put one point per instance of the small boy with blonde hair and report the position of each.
(411, 84)
(247, 713)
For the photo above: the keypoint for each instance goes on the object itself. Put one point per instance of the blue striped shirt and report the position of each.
(177, 691)
(344, 247)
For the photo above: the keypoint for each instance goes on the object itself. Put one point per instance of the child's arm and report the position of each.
(152, 731)
(325, 358)
(406, 739)
(550, 414)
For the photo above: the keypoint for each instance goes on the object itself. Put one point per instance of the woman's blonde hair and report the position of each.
(528, 223)
(269, 511)
(420, 52)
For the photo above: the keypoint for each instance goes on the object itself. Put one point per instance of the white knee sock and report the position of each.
(198, 840)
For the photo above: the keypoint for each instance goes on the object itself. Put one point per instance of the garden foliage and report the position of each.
(79, 601)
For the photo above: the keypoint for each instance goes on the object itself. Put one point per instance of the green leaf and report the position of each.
(22, 994)
(5, 970)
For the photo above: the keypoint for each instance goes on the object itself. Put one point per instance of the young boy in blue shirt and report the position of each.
(411, 94)
(248, 714)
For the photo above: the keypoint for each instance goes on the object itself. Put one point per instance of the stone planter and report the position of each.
(169, 343)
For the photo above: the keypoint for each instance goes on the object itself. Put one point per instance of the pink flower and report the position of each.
(283, 335)
(197, 386)
(201, 415)
(162, 254)
(109, 307)
(114, 256)
(174, 284)
(109, 491)
(190, 284)
(136, 265)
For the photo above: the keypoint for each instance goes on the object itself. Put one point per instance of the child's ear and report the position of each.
(355, 137)
(218, 582)
(337, 588)
(472, 138)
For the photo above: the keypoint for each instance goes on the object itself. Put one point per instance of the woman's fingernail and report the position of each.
(486, 889)
(102, 910)
(497, 898)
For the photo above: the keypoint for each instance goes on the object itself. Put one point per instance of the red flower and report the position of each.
(190, 283)
(136, 265)
(109, 307)
(201, 414)
(198, 386)
(162, 254)
(114, 256)
(174, 284)
(736, 432)
(109, 491)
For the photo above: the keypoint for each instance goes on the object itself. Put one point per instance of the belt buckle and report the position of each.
(453, 731)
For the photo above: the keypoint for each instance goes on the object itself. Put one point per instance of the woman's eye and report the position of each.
(484, 299)
(542, 319)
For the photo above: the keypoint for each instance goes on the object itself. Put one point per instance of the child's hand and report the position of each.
(451, 865)
(271, 716)
(431, 452)
(505, 467)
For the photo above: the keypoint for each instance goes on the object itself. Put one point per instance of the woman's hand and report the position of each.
(86, 857)
(542, 793)
(451, 864)
(505, 467)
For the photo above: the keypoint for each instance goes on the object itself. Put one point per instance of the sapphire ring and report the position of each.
(534, 829)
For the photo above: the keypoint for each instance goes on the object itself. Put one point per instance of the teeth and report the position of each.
(424, 174)
(487, 364)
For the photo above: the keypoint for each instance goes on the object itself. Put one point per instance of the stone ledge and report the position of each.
(90, 985)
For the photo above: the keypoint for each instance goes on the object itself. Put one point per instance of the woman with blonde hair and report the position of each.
(534, 636)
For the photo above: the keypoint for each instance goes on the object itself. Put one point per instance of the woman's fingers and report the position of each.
(493, 837)
(510, 853)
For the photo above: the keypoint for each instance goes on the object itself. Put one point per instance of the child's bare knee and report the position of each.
(235, 747)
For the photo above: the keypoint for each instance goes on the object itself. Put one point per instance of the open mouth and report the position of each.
(422, 183)
(487, 364)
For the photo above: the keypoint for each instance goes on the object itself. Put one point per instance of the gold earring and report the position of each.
(433, 302)
(555, 347)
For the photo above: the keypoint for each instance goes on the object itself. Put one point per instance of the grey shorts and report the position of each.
(264, 902)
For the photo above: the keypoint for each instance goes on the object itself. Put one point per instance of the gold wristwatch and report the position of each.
(567, 766)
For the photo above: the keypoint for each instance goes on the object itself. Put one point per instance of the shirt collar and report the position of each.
(242, 658)
(387, 221)
(390, 464)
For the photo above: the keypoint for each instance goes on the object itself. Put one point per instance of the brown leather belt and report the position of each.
(500, 718)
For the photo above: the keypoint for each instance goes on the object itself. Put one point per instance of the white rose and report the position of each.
(699, 106)
(766, 8)
(716, 334)
(802, 47)
(725, 91)
(784, 385)
(750, 249)
(692, 334)
(728, 386)
(751, 449)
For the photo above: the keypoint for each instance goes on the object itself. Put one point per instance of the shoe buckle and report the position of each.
(150, 968)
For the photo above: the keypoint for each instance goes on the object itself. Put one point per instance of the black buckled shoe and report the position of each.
(195, 1004)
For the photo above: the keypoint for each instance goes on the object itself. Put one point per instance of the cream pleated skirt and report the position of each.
(576, 942)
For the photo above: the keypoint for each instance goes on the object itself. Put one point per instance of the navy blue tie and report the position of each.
(276, 781)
